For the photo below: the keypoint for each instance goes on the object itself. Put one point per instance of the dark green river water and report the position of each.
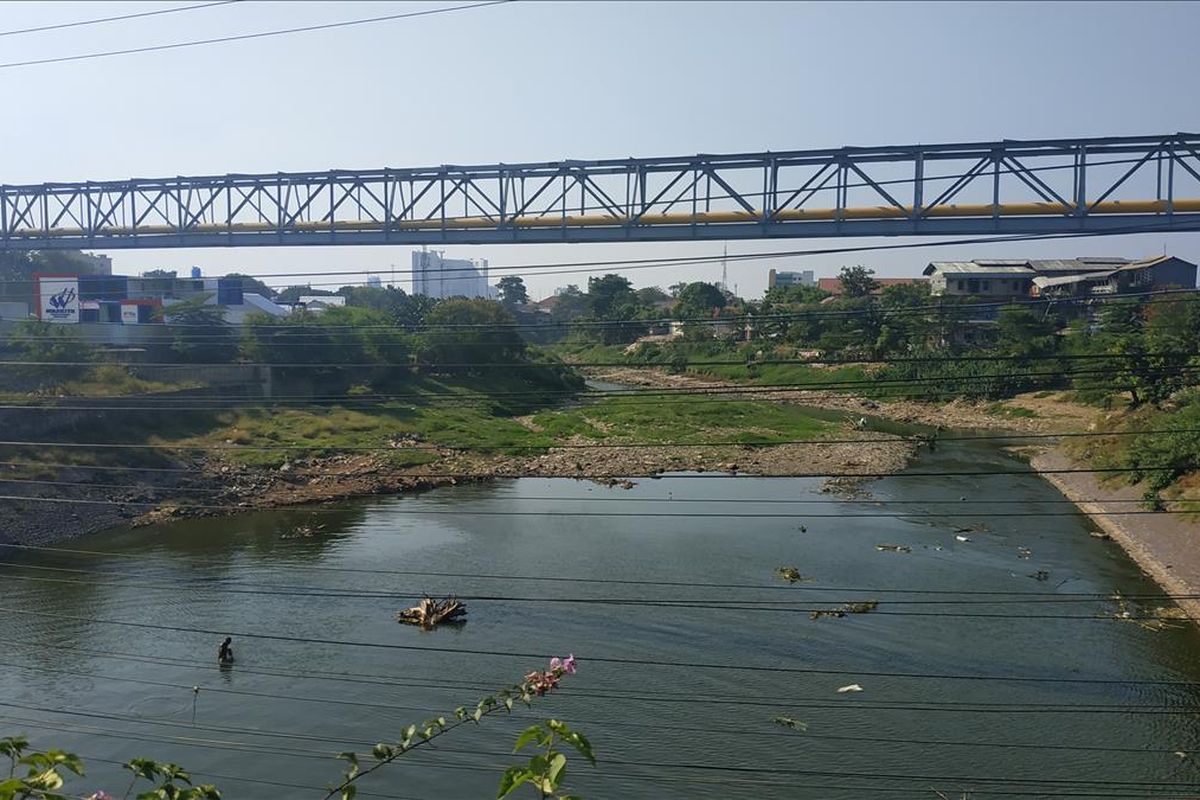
(663, 727)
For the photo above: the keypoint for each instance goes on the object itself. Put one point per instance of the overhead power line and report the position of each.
(645, 662)
(376, 679)
(100, 577)
(954, 595)
(564, 268)
(171, 494)
(1157, 296)
(119, 18)
(248, 36)
(583, 580)
(653, 771)
(195, 741)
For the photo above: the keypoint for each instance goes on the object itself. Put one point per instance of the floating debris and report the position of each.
(1024, 552)
(788, 722)
(303, 532)
(790, 574)
(893, 548)
(430, 613)
(1099, 535)
(1153, 619)
(803, 529)
(1040, 575)
(961, 538)
(854, 687)
(864, 607)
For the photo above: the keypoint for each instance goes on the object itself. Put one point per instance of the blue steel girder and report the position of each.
(1018, 187)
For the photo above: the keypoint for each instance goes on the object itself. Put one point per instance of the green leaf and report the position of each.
(460, 712)
(511, 779)
(573, 738)
(558, 762)
(533, 733)
(478, 714)
(508, 703)
(382, 752)
(143, 768)
(348, 792)
(48, 779)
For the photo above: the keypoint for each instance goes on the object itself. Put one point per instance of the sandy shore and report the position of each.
(1163, 545)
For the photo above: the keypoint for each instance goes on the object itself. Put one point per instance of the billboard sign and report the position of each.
(58, 298)
(129, 314)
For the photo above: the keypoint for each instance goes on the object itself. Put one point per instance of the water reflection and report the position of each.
(253, 575)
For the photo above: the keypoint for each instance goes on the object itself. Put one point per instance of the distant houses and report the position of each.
(1058, 277)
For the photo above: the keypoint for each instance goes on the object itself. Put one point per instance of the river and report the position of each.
(112, 691)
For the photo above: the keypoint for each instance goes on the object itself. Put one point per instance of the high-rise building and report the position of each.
(374, 282)
(434, 275)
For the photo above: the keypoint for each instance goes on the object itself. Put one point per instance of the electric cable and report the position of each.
(247, 36)
(753, 668)
(121, 17)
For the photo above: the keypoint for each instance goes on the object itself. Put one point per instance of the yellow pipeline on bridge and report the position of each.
(1139, 207)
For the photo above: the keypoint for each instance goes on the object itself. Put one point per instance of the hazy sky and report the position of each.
(539, 81)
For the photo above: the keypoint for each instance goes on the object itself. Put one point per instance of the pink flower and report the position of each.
(100, 795)
(564, 665)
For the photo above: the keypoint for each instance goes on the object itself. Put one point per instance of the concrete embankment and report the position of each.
(1163, 545)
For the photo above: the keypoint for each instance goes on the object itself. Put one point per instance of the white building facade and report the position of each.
(434, 275)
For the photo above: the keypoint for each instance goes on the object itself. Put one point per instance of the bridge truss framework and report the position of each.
(1097, 185)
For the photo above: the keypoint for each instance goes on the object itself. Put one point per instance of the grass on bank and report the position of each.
(448, 412)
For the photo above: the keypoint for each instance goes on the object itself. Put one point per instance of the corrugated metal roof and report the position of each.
(972, 268)
(1075, 264)
(1041, 281)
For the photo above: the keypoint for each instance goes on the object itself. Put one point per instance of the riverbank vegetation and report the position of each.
(390, 367)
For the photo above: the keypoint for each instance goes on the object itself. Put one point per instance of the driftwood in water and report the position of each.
(430, 613)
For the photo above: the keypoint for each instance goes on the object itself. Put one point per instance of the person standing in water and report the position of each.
(225, 654)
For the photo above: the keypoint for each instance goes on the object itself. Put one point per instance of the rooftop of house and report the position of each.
(1040, 266)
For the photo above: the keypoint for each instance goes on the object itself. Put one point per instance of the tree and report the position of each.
(907, 323)
(199, 333)
(160, 273)
(465, 332)
(857, 281)
(402, 308)
(1024, 333)
(292, 294)
(253, 285)
(611, 297)
(699, 299)
(58, 352)
(512, 291)
(651, 295)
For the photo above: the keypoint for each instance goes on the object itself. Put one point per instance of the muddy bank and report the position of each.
(215, 486)
(1163, 545)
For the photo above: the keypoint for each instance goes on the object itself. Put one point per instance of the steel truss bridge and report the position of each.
(1096, 185)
